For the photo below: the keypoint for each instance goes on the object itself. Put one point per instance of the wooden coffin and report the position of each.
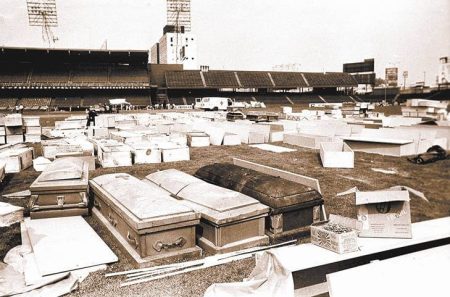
(60, 190)
(230, 220)
(293, 206)
(149, 224)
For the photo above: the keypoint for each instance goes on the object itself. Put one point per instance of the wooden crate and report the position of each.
(17, 158)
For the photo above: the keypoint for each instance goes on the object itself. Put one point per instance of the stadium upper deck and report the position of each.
(33, 68)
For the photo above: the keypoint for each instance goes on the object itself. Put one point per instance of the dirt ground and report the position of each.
(432, 180)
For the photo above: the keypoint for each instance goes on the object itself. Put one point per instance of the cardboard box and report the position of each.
(198, 139)
(337, 242)
(384, 213)
(336, 155)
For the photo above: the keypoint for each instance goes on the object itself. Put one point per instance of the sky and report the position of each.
(320, 35)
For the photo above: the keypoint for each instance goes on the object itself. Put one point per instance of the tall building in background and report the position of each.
(364, 74)
(177, 45)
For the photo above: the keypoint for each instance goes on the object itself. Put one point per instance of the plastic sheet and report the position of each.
(269, 278)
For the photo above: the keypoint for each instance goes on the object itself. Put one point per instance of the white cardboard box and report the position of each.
(198, 139)
(336, 155)
(384, 213)
(231, 139)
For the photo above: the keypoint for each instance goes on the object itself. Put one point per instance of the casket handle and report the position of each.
(159, 245)
(132, 239)
(96, 204)
(112, 220)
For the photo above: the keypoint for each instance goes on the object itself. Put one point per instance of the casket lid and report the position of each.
(217, 204)
(141, 200)
(63, 175)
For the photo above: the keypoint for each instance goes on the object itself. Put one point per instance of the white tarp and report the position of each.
(269, 278)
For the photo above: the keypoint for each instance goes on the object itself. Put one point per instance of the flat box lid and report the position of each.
(273, 191)
(380, 196)
(143, 202)
(66, 174)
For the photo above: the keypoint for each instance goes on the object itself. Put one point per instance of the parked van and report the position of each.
(213, 103)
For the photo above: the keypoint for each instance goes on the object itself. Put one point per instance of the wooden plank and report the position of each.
(416, 274)
(65, 244)
(301, 179)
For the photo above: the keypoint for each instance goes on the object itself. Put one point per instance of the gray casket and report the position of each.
(230, 220)
(60, 190)
(150, 225)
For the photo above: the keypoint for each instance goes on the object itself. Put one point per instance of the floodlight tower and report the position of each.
(42, 13)
(179, 16)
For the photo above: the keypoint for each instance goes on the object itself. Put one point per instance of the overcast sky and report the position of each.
(258, 34)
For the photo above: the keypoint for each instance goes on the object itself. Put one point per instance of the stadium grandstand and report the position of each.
(182, 87)
(72, 79)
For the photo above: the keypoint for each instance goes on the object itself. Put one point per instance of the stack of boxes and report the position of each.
(425, 108)
(32, 129)
(13, 127)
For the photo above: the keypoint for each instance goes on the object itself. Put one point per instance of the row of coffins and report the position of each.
(163, 216)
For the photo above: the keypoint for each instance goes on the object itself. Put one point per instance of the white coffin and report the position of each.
(336, 155)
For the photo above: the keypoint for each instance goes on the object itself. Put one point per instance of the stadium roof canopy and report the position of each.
(196, 79)
(43, 55)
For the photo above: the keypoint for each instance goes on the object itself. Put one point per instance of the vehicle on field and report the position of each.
(212, 103)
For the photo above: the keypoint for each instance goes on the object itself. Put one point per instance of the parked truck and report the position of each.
(213, 103)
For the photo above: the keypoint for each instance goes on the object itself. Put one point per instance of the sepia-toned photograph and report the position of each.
(222, 148)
